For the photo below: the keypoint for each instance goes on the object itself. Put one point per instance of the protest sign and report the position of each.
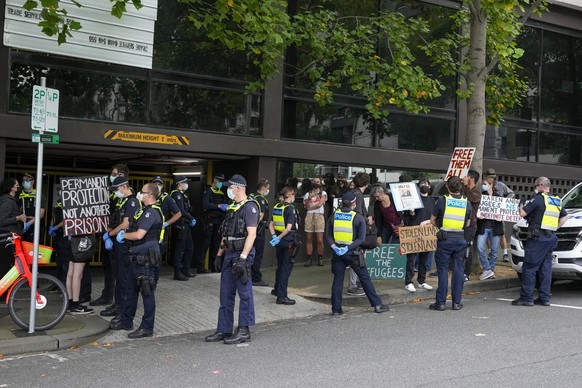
(460, 162)
(384, 262)
(85, 205)
(406, 196)
(415, 239)
(498, 208)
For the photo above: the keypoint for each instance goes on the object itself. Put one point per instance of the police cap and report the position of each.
(180, 179)
(27, 175)
(236, 180)
(349, 197)
(158, 179)
(119, 181)
(220, 177)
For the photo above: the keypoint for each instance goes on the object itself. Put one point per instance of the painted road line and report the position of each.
(551, 305)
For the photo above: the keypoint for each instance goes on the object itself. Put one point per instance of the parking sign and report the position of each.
(45, 109)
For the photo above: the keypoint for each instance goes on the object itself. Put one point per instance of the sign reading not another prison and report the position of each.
(85, 205)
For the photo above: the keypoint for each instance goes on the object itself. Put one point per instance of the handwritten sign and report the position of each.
(460, 162)
(415, 239)
(499, 208)
(85, 205)
(384, 262)
(406, 196)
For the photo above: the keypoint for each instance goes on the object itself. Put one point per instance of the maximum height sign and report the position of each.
(45, 109)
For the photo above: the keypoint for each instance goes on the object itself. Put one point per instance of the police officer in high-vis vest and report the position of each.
(452, 213)
(27, 200)
(544, 214)
(143, 238)
(169, 208)
(283, 228)
(260, 196)
(345, 232)
(238, 231)
(182, 244)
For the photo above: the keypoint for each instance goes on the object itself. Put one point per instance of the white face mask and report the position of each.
(485, 187)
(185, 187)
(112, 178)
(266, 193)
(161, 188)
(139, 197)
(27, 185)
(119, 194)
(230, 193)
(536, 191)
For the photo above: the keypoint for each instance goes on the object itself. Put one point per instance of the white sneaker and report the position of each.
(410, 287)
(487, 274)
(426, 286)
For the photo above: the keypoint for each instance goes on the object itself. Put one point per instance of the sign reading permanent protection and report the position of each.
(385, 263)
(85, 205)
(103, 37)
(460, 162)
(144, 137)
(499, 208)
(419, 238)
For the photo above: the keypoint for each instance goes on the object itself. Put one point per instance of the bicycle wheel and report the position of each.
(49, 312)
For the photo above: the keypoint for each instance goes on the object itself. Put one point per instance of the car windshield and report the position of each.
(573, 200)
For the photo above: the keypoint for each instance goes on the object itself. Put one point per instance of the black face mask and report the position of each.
(315, 185)
(424, 189)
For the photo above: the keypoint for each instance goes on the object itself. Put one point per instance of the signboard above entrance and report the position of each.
(144, 137)
(103, 37)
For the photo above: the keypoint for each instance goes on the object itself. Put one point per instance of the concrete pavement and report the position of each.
(192, 306)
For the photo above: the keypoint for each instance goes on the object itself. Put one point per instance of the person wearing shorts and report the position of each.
(314, 202)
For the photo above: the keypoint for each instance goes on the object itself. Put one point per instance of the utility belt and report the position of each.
(359, 257)
(261, 228)
(539, 233)
(151, 259)
(235, 244)
(446, 234)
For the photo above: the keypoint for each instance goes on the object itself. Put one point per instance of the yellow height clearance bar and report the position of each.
(143, 137)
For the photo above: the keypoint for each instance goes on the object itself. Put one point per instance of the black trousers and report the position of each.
(256, 274)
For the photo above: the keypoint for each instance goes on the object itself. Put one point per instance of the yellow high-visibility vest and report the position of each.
(278, 216)
(552, 213)
(343, 227)
(455, 211)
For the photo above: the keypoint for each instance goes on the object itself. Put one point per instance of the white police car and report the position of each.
(567, 258)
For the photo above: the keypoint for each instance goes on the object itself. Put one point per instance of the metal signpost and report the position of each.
(44, 118)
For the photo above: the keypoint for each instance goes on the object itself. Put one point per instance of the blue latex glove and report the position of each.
(343, 251)
(336, 249)
(53, 231)
(26, 227)
(274, 241)
(109, 244)
(222, 206)
(119, 236)
(193, 222)
(165, 225)
(106, 236)
(69, 238)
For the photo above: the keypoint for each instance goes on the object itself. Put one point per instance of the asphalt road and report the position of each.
(488, 343)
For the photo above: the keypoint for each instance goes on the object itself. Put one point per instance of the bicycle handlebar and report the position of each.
(9, 237)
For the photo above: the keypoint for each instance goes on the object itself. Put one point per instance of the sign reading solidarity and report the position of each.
(460, 162)
(384, 262)
(85, 205)
(499, 208)
(419, 238)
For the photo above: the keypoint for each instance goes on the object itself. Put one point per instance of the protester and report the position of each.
(488, 231)
(314, 202)
(473, 194)
(12, 219)
(387, 218)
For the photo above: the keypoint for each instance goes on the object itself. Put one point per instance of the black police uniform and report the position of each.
(283, 251)
(182, 244)
(28, 201)
(144, 257)
(169, 208)
(542, 241)
(213, 218)
(256, 275)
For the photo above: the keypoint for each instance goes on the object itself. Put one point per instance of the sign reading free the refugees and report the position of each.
(460, 162)
(498, 208)
(385, 262)
(421, 238)
(85, 205)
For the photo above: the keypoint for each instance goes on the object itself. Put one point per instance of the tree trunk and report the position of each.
(477, 77)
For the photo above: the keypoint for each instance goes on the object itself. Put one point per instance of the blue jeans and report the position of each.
(488, 263)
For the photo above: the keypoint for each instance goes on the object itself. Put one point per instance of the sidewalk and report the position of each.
(192, 306)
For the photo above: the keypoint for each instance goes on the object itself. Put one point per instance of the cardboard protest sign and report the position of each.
(85, 205)
(415, 239)
(498, 208)
(406, 196)
(460, 162)
(385, 263)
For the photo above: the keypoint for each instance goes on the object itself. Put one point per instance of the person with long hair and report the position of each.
(314, 202)
(12, 218)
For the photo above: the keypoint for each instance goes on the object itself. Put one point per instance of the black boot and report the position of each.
(320, 261)
(308, 262)
(242, 334)
(217, 337)
(179, 275)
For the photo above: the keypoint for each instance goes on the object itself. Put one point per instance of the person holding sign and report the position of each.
(452, 213)
(488, 231)
(544, 214)
(473, 194)
(314, 202)
(346, 231)
(386, 216)
(506, 192)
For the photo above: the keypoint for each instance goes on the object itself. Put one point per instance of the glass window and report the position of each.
(83, 94)
(204, 109)
(556, 148)
(512, 142)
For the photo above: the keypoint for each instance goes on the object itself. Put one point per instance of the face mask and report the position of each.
(266, 193)
(485, 187)
(315, 185)
(112, 178)
(185, 187)
(160, 188)
(536, 191)
(219, 185)
(230, 193)
(27, 185)
(424, 189)
(119, 194)
(139, 197)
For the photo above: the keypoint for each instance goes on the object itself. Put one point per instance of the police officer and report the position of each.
(283, 228)
(169, 208)
(214, 204)
(239, 231)
(143, 238)
(345, 232)
(545, 215)
(109, 269)
(452, 213)
(260, 197)
(125, 209)
(182, 244)
(27, 199)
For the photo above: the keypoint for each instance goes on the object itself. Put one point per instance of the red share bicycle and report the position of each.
(51, 295)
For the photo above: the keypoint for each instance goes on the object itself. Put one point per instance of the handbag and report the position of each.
(371, 236)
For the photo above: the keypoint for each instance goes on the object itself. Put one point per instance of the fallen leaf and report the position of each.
(107, 344)
(94, 343)
(480, 335)
(1, 355)
(74, 347)
(169, 356)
